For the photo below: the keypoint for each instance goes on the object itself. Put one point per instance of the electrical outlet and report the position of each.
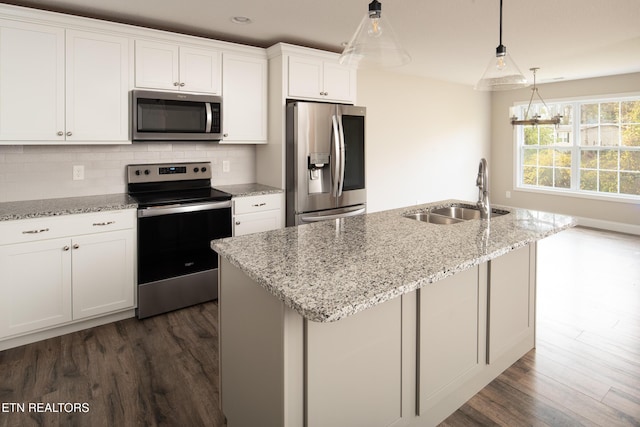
(226, 166)
(78, 172)
(508, 194)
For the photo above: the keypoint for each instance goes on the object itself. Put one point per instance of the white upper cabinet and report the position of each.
(32, 105)
(173, 67)
(322, 79)
(62, 86)
(244, 119)
(97, 87)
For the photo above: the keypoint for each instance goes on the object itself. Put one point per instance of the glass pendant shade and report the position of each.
(374, 43)
(501, 74)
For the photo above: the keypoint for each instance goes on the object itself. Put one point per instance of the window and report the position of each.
(595, 150)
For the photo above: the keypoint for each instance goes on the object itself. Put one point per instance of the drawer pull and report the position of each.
(101, 224)
(65, 248)
(257, 205)
(76, 246)
(42, 230)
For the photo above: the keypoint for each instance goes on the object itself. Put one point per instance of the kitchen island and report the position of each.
(375, 320)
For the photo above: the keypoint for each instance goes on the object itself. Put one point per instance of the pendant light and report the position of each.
(374, 43)
(501, 73)
(536, 118)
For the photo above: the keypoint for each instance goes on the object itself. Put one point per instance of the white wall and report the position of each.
(425, 139)
(620, 216)
(38, 172)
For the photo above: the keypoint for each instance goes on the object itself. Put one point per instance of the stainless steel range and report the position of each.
(178, 216)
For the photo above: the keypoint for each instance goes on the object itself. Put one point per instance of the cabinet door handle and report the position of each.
(257, 205)
(225, 135)
(60, 133)
(176, 83)
(69, 134)
(42, 230)
(76, 246)
(181, 84)
(65, 248)
(100, 224)
(237, 222)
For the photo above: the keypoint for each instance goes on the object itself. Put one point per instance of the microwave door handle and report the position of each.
(335, 136)
(342, 155)
(207, 106)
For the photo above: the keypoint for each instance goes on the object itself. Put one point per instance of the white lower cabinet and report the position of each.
(58, 270)
(252, 214)
(35, 286)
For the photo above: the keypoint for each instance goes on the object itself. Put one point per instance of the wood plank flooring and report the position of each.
(163, 371)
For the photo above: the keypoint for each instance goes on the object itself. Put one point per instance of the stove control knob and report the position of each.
(147, 171)
(196, 170)
(138, 172)
(204, 169)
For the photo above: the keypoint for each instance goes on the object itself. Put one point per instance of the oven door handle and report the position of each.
(174, 209)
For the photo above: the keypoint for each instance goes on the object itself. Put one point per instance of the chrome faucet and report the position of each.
(482, 182)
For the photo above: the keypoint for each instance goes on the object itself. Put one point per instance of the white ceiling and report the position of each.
(451, 40)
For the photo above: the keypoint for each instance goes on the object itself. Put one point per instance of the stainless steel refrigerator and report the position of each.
(325, 168)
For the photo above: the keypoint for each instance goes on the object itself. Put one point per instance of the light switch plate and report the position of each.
(78, 172)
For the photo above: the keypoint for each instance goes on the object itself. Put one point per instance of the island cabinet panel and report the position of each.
(451, 326)
(353, 369)
(511, 301)
(251, 323)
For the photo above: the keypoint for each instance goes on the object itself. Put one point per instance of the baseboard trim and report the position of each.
(619, 227)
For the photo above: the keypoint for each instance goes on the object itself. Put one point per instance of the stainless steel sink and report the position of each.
(452, 214)
(434, 219)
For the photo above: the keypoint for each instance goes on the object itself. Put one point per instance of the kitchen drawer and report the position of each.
(33, 229)
(251, 204)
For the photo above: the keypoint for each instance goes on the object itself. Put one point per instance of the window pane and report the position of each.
(530, 175)
(589, 136)
(547, 135)
(531, 135)
(631, 135)
(564, 136)
(589, 113)
(609, 182)
(562, 158)
(563, 178)
(589, 159)
(609, 159)
(545, 158)
(609, 112)
(630, 183)
(545, 177)
(588, 180)
(609, 135)
(630, 112)
(630, 161)
(530, 157)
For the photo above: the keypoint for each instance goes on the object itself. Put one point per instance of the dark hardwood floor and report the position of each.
(163, 371)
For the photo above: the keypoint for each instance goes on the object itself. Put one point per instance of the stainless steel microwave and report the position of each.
(175, 116)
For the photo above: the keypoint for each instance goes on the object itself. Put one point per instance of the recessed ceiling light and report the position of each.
(242, 20)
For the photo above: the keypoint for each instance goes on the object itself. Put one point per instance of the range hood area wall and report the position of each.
(29, 172)
(424, 138)
(617, 216)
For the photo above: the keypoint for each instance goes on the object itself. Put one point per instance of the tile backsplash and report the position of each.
(46, 171)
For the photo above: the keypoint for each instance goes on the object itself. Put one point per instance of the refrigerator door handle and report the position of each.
(336, 158)
(342, 156)
(334, 216)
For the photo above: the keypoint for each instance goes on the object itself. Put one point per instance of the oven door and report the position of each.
(176, 266)
(176, 240)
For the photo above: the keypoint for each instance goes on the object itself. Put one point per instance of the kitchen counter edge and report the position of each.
(452, 249)
(27, 209)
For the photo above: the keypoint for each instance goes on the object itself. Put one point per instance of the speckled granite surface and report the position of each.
(64, 206)
(329, 270)
(243, 190)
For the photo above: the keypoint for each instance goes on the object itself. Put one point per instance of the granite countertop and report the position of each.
(332, 269)
(244, 190)
(64, 206)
